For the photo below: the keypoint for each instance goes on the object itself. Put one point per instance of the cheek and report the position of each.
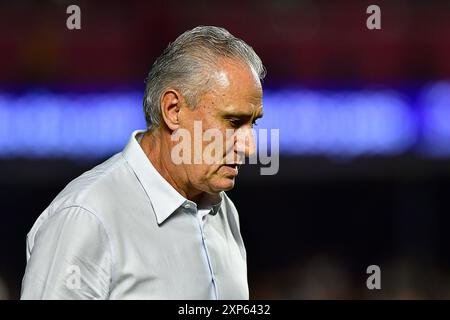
(203, 172)
(210, 173)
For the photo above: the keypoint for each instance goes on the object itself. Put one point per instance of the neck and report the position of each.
(157, 145)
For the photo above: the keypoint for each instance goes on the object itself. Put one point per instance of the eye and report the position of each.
(236, 123)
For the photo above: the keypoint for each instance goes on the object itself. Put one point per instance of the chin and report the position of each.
(224, 184)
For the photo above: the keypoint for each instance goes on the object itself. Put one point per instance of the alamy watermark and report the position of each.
(73, 21)
(373, 22)
(374, 280)
(73, 281)
(214, 146)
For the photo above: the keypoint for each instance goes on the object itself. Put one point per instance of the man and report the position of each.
(139, 225)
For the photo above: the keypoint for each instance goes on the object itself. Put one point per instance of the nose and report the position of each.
(245, 142)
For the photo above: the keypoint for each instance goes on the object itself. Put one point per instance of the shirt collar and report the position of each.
(164, 198)
(208, 202)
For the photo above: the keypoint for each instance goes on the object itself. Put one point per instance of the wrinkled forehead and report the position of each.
(236, 71)
(238, 103)
(238, 106)
(236, 80)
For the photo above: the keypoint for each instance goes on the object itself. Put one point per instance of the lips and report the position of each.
(233, 165)
(233, 168)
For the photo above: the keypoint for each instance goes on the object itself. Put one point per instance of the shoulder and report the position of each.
(228, 203)
(78, 204)
(231, 215)
(93, 182)
(230, 210)
(73, 222)
(70, 238)
(101, 190)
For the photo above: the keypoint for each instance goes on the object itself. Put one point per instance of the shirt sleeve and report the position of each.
(69, 258)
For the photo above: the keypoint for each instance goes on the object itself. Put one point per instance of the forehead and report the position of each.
(236, 75)
(235, 88)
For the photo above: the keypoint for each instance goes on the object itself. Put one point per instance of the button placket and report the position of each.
(205, 248)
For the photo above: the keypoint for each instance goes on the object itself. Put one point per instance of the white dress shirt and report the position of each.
(121, 231)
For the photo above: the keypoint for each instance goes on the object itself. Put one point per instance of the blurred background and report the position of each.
(364, 120)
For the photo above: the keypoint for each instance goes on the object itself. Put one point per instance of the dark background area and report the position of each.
(312, 229)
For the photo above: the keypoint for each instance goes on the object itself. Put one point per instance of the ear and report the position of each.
(170, 108)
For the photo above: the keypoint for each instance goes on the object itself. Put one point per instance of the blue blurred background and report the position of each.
(364, 120)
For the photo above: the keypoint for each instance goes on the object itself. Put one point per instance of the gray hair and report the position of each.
(184, 66)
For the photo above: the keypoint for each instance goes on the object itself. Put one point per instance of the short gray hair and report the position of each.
(184, 66)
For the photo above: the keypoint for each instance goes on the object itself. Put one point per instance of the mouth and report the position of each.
(232, 168)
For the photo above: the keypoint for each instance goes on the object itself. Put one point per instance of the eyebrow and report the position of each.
(242, 115)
